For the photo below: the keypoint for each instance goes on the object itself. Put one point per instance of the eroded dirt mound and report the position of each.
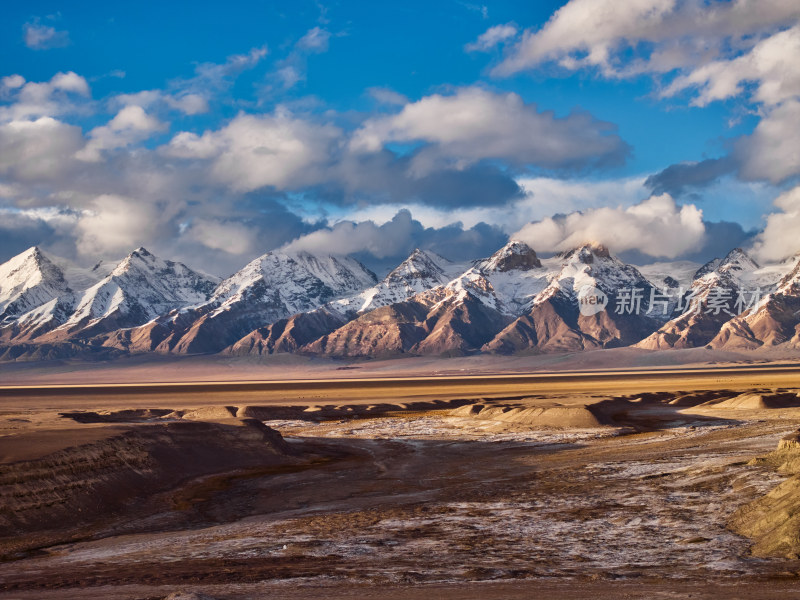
(82, 483)
(577, 417)
(773, 522)
(759, 401)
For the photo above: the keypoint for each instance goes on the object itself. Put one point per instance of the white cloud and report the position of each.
(218, 75)
(493, 36)
(475, 124)
(597, 33)
(130, 125)
(39, 149)
(387, 96)
(290, 76)
(348, 237)
(251, 152)
(543, 197)
(47, 98)
(656, 227)
(70, 82)
(771, 64)
(229, 236)
(115, 224)
(772, 151)
(12, 82)
(779, 238)
(292, 70)
(43, 37)
(315, 40)
(188, 104)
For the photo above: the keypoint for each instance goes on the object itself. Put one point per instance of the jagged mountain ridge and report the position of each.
(272, 287)
(773, 321)
(140, 288)
(720, 291)
(512, 301)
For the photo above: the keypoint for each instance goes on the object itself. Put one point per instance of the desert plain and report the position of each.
(522, 478)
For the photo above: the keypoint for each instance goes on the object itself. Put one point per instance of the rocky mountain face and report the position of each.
(560, 319)
(716, 291)
(773, 321)
(140, 288)
(274, 286)
(511, 302)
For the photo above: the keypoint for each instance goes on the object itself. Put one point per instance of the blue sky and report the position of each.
(212, 133)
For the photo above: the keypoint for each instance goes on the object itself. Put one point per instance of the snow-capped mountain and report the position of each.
(272, 287)
(38, 292)
(672, 275)
(555, 321)
(453, 317)
(508, 302)
(507, 281)
(421, 271)
(511, 301)
(773, 321)
(140, 288)
(714, 297)
(28, 280)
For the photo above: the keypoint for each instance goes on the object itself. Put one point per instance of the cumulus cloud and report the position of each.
(712, 50)
(390, 242)
(771, 64)
(682, 177)
(251, 152)
(39, 36)
(11, 82)
(347, 237)
(772, 151)
(385, 178)
(493, 36)
(186, 103)
(284, 151)
(22, 228)
(779, 240)
(474, 124)
(47, 98)
(656, 227)
(130, 125)
(41, 149)
(599, 33)
(114, 224)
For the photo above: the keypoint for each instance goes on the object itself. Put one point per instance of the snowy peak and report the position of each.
(420, 265)
(737, 260)
(28, 280)
(587, 253)
(736, 263)
(293, 282)
(592, 265)
(420, 272)
(514, 256)
(140, 288)
(710, 267)
(340, 274)
(790, 284)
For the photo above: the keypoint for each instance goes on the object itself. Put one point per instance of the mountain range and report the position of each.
(511, 302)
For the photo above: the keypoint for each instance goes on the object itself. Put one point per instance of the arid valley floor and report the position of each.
(640, 482)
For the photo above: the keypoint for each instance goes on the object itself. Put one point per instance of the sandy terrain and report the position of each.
(634, 486)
